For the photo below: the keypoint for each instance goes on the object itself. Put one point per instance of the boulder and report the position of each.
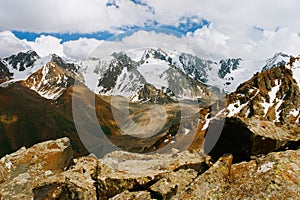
(274, 176)
(23, 170)
(135, 172)
(126, 195)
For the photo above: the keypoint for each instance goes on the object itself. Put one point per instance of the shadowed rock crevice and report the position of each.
(236, 139)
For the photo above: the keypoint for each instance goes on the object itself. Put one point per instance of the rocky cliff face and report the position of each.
(48, 171)
(5, 75)
(262, 115)
(22, 60)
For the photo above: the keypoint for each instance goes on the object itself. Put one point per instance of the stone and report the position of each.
(23, 170)
(126, 195)
(136, 171)
(273, 176)
(267, 107)
(123, 175)
(173, 183)
(74, 183)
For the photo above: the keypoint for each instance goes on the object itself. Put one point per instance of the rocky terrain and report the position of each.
(261, 116)
(158, 142)
(48, 171)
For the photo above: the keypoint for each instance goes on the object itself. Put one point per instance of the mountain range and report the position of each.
(257, 100)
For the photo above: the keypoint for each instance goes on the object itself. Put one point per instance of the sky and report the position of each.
(216, 29)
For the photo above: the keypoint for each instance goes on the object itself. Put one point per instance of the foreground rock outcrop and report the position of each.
(48, 171)
(23, 170)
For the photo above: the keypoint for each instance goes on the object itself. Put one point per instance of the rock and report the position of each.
(126, 195)
(75, 183)
(261, 116)
(205, 186)
(122, 175)
(274, 176)
(24, 169)
(5, 74)
(135, 171)
(268, 104)
(173, 183)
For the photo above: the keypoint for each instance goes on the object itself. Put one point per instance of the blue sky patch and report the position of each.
(185, 25)
(30, 36)
(112, 3)
(140, 2)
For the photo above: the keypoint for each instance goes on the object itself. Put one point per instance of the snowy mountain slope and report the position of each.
(269, 102)
(223, 76)
(204, 71)
(173, 73)
(22, 65)
(22, 60)
(126, 77)
(51, 80)
(48, 76)
(120, 77)
(279, 59)
(5, 75)
(244, 71)
(90, 70)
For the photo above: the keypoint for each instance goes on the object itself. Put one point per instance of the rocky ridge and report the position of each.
(262, 115)
(48, 171)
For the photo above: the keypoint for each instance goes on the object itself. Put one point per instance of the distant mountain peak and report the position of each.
(279, 59)
(228, 65)
(51, 80)
(64, 64)
(22, 60)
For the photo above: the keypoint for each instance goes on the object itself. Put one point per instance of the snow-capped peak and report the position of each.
(279, 59)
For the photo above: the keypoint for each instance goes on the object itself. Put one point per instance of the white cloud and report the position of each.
(253, 44)
(69, 15)
(232, 34)
(10, 44)
(234, 13)
(81, 48)
(214, 43)
(45, 45)
(94, 15)
(147, 39)
(207, 42)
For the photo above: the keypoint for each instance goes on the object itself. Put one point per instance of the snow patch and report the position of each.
(235, 108)
(277, 111)
(265, 167)
(207, 121)
(153, 71)
(294, 112)
(296, 72)
(8, 165)
(272, 95)
(186, 131)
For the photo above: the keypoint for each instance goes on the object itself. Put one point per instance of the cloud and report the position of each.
(94, 15)
(45, 45)
(81, 48)
(70, 15)
(232, 13)
(214, 43)
(207, 42)
(251, 29)
(10, 44)
(253, 44)
(146, 39)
